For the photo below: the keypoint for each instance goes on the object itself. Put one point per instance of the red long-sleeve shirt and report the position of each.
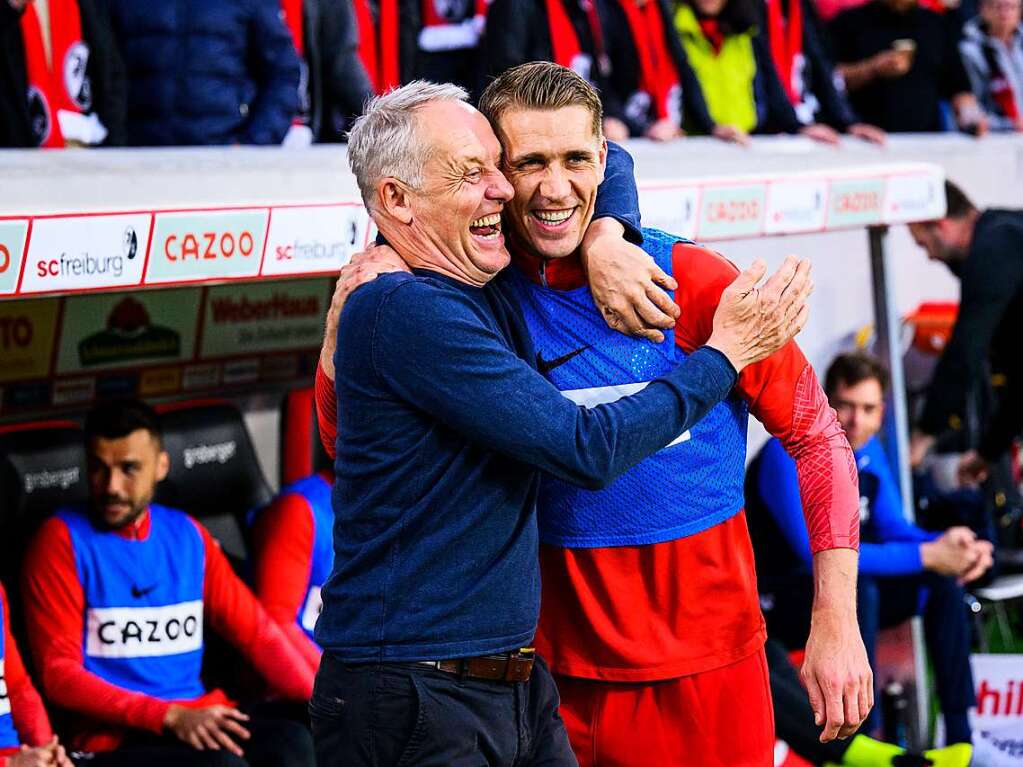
(282, 553)
(30, 718)
(633, 613)
(54, 612)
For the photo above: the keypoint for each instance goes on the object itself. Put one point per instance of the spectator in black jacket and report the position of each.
(203, 72)
(899, 61)
(733, 63)
(795, 39)
(567, 32)
(985, 250)
(54, 106)
(334, 85)
(448, 35)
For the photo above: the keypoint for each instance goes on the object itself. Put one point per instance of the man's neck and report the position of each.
(565, 273)
(420, 253)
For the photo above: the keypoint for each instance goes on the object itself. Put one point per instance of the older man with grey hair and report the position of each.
(443, 430)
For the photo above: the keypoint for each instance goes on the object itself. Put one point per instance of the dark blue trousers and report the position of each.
(403, 714)
(884, 602)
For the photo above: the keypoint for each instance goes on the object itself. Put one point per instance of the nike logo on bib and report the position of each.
(546, 366)
(139, 593)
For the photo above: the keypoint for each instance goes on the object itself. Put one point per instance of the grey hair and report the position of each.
(383, 141)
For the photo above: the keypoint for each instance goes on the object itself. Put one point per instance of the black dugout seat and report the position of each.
(214, 472)
(42, 467)
(302, 451)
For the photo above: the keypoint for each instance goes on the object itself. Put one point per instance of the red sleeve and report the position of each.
(283, 558)
(54, 614)
(235, 613)
(30, 718)
(326, 411)
(783, 393)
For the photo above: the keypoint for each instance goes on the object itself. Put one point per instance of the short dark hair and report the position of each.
(958, 204)
(541, 85)
(119, 418)
(853, 368)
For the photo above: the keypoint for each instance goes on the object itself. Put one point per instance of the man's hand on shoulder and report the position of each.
(753, 322)
(627, 284)
(364, 267)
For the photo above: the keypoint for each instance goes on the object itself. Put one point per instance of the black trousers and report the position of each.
(407, 714)
(276, 742)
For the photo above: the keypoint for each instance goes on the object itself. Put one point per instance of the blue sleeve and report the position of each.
(617, 196)
(778, 486)
(435, 349)
(274, 68)
(895, 549)
(886, 512)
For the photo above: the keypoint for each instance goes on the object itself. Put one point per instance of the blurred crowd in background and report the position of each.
(187, 72)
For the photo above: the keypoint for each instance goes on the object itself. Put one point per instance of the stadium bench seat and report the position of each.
(214, 475)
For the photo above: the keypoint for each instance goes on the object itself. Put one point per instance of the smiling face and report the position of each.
(860, 409)
(455, 217)
(555, 163)
(123, 474)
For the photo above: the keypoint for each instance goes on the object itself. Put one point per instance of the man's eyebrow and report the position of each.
(530, 157)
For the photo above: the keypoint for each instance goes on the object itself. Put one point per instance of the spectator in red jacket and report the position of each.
(117, 594)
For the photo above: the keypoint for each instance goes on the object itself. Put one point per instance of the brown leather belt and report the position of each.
(505, 667)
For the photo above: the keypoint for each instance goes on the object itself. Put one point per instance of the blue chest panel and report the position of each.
(143, 622)
(8, 735)
(692, 484)
(316, 492)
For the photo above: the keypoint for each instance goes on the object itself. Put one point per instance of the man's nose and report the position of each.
(555, 185)
(499, 188)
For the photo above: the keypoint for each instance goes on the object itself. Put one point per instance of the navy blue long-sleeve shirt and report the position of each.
(444, 426)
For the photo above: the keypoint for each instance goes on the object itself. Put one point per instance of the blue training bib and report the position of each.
(143, 622)
(316, 492)
(693, 483)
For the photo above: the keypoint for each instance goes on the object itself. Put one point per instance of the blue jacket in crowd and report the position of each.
(203, 72)
(889, 543)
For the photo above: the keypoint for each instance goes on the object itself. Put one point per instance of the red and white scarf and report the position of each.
(786, 38)
(440, 33)
(565, 45)
(63, 85)
(378, 43)
(658, 77)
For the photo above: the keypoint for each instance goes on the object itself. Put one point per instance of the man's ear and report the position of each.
(162, 466)
(394, 200)
(602, 159)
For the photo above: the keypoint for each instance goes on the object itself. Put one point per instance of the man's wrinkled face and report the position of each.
(860, 409)
(555, 162)
(458, 209)
(123, 474)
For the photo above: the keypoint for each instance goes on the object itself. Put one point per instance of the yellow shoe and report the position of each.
(956, 755)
